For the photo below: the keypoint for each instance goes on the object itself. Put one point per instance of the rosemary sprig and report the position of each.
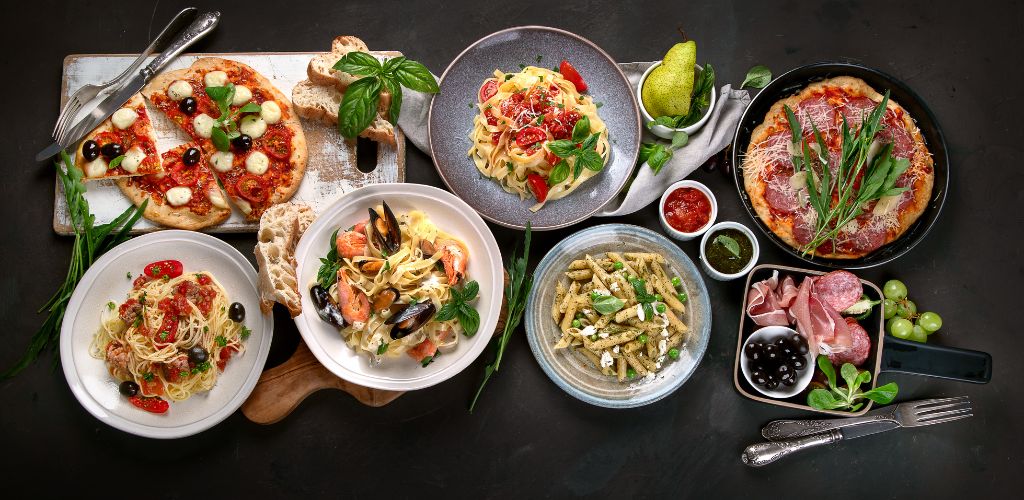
(834, 192)
(90, 242)
(518, 289)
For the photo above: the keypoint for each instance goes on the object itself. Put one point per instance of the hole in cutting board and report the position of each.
(366, 155)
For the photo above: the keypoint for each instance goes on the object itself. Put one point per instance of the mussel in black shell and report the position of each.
(325, 307)
(386, 233)
(410, 318)
(384, 299)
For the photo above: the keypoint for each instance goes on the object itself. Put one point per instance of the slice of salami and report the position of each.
(803, 231)
(816, 110)
(839, 289)
(856, 109)
(894, 132)
(781, 197)
(860, 346)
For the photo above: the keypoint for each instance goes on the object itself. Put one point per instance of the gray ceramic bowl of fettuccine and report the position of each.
(452, 111)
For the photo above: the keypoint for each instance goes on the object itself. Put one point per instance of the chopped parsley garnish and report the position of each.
(129, 275)
(182, 374)
(427, 360)
(245, 332)
(382, 348)
(387, 265)
(111, 305)
(148, 377)
(221, 341)
(201, 367)
(206, 329)
(508, 77)
(539, 58)
(163, 335)
(598, 104)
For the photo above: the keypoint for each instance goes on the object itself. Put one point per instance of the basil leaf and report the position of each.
(658, 158)
(577, 169)
(389, 66)
(470, 320)
(416, 76)
(679, 139)
(883, 395)
(358, 106)
(591, 141)
(563, 148)
(590, 159)
(607, 304)
(729, 243)
(826, 367)
(581, 129)
(382, 348)
(559, 173)
(470, 291)
(645, 151)
(447, 312)
(219, 93)
(358, 63)
(664, 121)
(115, 162)
(849, 373)
(220, 139)
(648, 310)
(757, 77)
(395, 89)
(249, 108)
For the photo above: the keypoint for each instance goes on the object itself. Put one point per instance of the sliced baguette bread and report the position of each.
(321, 67)
(280, 228)
(321, 102)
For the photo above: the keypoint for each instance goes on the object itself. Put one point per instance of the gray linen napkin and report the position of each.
(714, 136)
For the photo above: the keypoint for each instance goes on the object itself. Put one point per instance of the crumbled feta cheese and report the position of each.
(650, 376)
(615, 349)
(603, 335)
(586, 312)
(606, 359)
(588, 330)
(662, 346)
(602, 292)
(664, 332)
(614, 286)
(657, 365)
(640, 312)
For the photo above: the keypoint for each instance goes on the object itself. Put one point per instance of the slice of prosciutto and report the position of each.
(763, 304)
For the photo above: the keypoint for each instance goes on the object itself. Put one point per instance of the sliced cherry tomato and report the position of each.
(152, 405)
(204, 279)
(152, 386)
(168, 331)
(184, 175)
(104, 138)
(529, 136)
(225, 355)
(495, 137)
(491, 119)
(488, 89)
(252, 188)
(278, 144)
(570, 73)
(510, 106)
(159, 269)
(552, 158)
(539, 186)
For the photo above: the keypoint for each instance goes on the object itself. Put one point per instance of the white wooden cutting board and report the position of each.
(330, 172)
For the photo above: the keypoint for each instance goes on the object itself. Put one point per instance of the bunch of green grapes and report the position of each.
(902, 318)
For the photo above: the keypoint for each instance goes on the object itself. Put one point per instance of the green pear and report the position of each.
(669, 87)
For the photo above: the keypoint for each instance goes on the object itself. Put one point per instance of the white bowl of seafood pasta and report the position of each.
(365, 345)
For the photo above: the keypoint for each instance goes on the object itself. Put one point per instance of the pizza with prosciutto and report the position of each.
(186, 196)
(121, 146)
(249, 135)
(779, 193)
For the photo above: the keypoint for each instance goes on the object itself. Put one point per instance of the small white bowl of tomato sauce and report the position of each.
(687, 210)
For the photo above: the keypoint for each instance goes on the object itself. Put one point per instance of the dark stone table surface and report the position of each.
(528, 439)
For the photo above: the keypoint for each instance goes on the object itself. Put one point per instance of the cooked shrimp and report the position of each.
(455, 257)
(352, 243)
(117, 356)
(355, 307)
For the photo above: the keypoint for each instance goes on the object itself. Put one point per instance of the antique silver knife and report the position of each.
(757, 455)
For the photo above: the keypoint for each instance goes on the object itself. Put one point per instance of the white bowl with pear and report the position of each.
(666, 94)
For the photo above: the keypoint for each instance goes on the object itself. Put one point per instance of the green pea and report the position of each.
(676, 282)
(642, 338)
(593, 338)
(617, 265)
(658, 297)
(631, 373)
(673, 353)
(660, 308)
(576, 323)
(681, 297)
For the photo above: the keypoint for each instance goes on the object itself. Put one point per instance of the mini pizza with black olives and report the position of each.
(779, 189)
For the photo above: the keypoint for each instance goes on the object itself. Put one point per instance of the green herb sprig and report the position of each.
(327, 275)
(757, 77)
(849, 397)
(359, 105)
(518, 288)
(606, 304)
(90, 242)
(226, 127)
(656, 154)
(839, 182)
(645, 299)
(458, 308)
(581, 149)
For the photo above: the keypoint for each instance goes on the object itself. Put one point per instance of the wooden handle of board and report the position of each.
(282, 388)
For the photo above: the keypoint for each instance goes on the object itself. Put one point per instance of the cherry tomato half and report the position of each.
(159, 269)
(570, 73)
(277, 144)
(488, 89)
(184, 175)
(252, 188)
(539, 186)
(529, 136)
(152, 405)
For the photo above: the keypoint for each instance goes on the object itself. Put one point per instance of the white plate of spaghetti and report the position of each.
(163, 336)
(401, 286)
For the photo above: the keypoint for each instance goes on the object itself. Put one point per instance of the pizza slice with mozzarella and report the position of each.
(185, 196)
(123, 145)
(257, 150)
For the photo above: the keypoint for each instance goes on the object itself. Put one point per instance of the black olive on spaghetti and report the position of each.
(90, 150)
(128, 388)
(191, 156)
(188, 105)
(236, 312)
(198, 355)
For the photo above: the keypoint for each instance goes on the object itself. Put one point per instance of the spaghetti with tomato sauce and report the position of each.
(519, 115)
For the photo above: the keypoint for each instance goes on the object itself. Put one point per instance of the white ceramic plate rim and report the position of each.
(469, 349)
(214, 416)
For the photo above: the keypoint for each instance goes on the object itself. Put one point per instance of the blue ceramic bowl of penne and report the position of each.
(619, 316)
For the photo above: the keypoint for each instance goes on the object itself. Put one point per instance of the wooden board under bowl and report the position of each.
(330, 172)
